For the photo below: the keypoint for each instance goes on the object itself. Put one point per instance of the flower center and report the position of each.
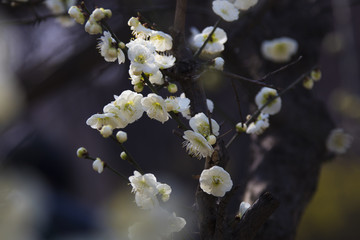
(281, 48)
(140, 59)
(216, 180)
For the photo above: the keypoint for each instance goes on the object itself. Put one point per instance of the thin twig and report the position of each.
(280, 69)
(238, 77)
(198, 52)
(237, 100)
(256, 114)
(106, 165)
(129, 158)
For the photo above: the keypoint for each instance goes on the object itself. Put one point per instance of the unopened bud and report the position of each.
(172, 88)
(121, 136)
(316, 74)
(308, 83)
(218, 63)
(76, 14)
(98, 165)
(123, 155)
(244, 206)
(122, 45)
(211, 139)
(241, 127)
(82, 152)
(106, 131)
(139, 87)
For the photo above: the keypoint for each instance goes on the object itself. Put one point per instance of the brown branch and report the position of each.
(255, 217)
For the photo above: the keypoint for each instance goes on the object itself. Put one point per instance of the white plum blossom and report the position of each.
(142, 56)
(144, 187)
(215, 181)
(258, 127)
(226, 10)
(129, 105)
(164, 191)
(244, 4)
(157, 225)
(155, 107)
(263, 96)
(215, 44)
(200, 124)
(60, 7)
(108, 49)
(164, 61)
(177, 104)
(196, 145)
(138, 29)
(162, 41)
(97, 121)
(279, 50)
(76, 14)
(338, 141)
(156, 78)
(186, 113)
(98, 165)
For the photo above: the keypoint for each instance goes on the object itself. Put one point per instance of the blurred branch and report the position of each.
(256, 216)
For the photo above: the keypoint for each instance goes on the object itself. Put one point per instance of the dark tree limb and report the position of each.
(255, 217)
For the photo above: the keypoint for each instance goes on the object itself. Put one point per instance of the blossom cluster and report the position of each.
(129, 106)
(199, 140)
(229, 10)
(159, 223)
(59, 7)
(269, 103)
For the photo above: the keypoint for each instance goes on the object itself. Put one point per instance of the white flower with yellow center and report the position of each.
(215, 181)
(279, 50)
(338, 141)
(139, 31)
(200, 124)
(259, 126)
(129, 105)
(108, 49)
(164, 191)
(244, 4)
(144, 187)
(121, 121)
(225, 10)
(263, 96)
(142, 56)
(161, 41)
(97, 121)
(196, 145)
(177, 104)
(155, 107)
(215, 44)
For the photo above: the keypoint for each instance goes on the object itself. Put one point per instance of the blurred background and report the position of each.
(52, 79)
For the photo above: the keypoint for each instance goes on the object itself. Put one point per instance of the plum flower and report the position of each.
(279, 50)
(263, 96)
(197, 145)
(215, 181)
